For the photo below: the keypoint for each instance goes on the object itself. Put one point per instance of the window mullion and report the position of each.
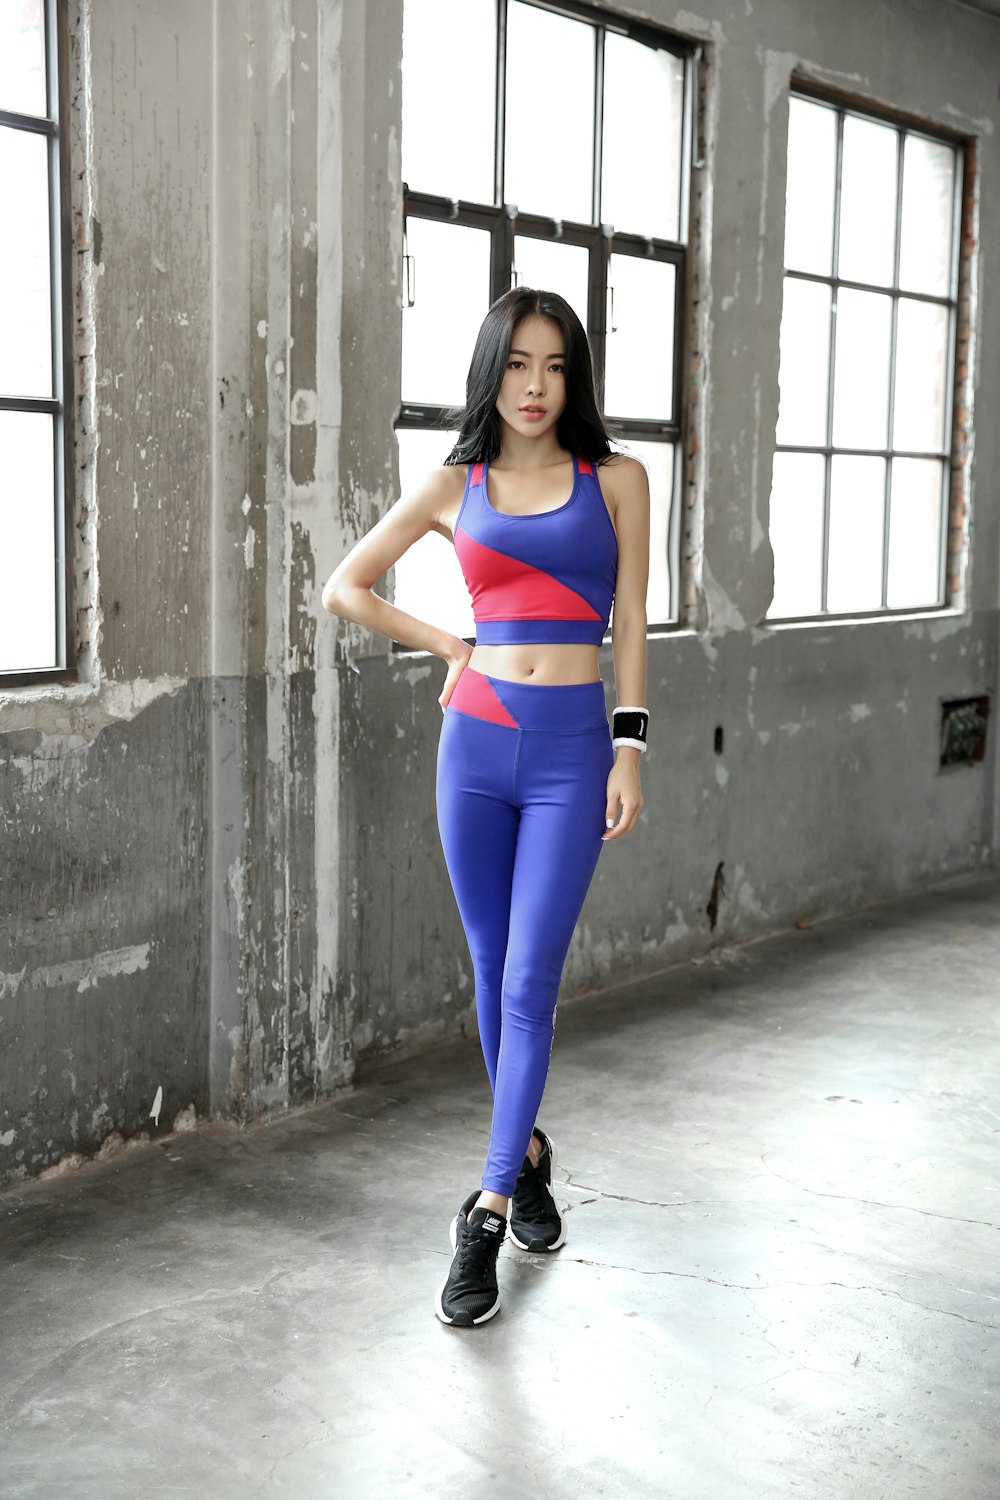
(689, 112)
(503, 242)
(600, 261)
(598, 120)
(893, 329)
(501, 103)
(832, 366)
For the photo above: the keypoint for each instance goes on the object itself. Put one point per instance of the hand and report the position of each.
(624, 788)
(456, 666)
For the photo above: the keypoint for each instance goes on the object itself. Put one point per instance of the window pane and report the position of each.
(868, 201)
(809, 191)
(451, 285)
(861, 380)
(549, 156)
(550, 266)
(857, 517)
(442, 153)
(804, 368)
(27, 523)
(659, 461)
(796, 533)
(928, 188)
(921, 376)
(915, 532)
(428, 581)
(26, 344)
(639, 362)
(643, 104)
(22, 57)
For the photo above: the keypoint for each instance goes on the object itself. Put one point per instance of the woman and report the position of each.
(529, 777)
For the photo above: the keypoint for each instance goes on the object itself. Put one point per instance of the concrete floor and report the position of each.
(781, 1165)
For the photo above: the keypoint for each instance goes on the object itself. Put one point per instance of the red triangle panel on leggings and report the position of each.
(474, 694)
(507, 589)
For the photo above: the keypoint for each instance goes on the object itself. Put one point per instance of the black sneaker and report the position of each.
(469, 1293)
(536, 1222)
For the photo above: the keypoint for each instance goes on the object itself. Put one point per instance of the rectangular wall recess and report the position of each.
(963, 730)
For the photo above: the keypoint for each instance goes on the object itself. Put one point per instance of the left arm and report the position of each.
(628, 489)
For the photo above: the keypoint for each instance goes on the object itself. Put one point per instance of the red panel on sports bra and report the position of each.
(514, 589)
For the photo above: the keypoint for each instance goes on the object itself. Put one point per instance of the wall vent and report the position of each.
(963, 731)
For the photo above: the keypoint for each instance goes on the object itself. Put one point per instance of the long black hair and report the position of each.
(581, 428)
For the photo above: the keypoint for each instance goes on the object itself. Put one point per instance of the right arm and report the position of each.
(348, 590)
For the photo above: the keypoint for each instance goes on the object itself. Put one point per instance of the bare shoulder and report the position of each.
(624, 480)
(438, 496)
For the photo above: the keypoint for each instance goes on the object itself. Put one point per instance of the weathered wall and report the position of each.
(226, 880)
(104, 788)
(175, 813)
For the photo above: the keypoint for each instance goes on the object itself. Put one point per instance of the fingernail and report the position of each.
(610, 823)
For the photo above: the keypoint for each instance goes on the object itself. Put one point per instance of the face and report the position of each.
(533, 391)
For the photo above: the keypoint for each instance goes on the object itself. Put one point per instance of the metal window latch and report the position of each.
(612, 325)
(410, 278)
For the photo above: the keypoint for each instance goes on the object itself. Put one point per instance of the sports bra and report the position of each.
(547, 576)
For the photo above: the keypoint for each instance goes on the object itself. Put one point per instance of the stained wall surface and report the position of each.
(224, 886)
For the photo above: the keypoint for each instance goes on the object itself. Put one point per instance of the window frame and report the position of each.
(905, 124)
(503, 223)
(60, 404)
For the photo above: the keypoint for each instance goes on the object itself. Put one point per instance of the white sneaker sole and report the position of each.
(563, 1227)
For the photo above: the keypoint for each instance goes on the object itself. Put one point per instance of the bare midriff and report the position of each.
(548, 664)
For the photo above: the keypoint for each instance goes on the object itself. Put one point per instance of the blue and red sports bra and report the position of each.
(547, 576)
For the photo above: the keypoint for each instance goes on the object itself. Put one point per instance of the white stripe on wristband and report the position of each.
(638, 744)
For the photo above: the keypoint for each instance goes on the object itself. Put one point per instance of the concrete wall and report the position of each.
(225, 886)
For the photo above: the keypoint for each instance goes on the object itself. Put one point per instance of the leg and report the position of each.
(478, 831)
(563, 779)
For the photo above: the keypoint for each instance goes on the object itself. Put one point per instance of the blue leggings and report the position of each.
(522, 774)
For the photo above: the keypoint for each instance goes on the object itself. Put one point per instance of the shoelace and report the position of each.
(477, 1253)
(533, 1203)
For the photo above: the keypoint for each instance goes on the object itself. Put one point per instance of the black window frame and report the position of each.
(60, 405)
(905, 125)
(503, 222)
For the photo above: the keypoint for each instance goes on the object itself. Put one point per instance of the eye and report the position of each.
(514, 363)
(560, 368)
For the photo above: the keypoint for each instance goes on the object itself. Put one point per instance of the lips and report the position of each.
(536, 411)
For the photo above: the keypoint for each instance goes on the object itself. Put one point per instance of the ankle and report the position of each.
(493, 1201)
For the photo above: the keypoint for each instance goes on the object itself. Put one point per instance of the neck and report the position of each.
(521, 452)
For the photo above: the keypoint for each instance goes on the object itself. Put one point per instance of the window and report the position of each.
(484, 210)
(860, 484)
(33, 377)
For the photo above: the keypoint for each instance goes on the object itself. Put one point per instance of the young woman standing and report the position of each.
(550, 526)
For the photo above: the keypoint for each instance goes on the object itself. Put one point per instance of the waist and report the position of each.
(552, 663)
(569, 707)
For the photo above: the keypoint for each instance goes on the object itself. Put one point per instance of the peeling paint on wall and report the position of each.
(90, 710)
(83, 972)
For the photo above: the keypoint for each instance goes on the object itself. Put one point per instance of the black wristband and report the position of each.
(630, 724)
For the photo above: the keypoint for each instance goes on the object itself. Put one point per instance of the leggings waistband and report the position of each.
(571, 707)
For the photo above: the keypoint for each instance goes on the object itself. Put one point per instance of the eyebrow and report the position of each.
(528, 353)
